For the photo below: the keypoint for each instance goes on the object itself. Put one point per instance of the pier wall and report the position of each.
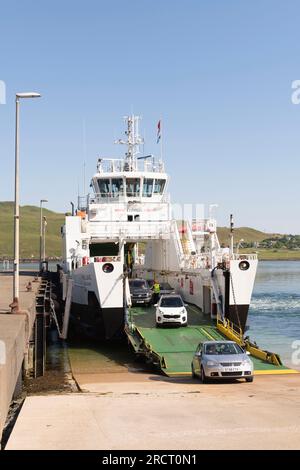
(15, 333)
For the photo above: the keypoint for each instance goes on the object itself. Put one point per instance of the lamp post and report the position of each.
(15, 302)
(41, 232)
(44, 239)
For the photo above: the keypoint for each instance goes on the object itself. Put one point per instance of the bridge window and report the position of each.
(159, 186)
(132, 187)
(116, 187)
(147, 187)
(104, 187)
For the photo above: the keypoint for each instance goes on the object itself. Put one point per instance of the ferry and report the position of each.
(126, 228)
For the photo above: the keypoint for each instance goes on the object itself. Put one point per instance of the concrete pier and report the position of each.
(125, 410)
(15, 332)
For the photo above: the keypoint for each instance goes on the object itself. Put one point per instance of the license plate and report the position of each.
(232, 369)
(140, 301)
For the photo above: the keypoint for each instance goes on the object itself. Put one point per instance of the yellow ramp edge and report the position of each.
(276, 372)
(227, 328)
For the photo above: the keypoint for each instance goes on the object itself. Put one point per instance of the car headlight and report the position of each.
(182, 312)
(211, 363)
(246, 363)
(161, 312)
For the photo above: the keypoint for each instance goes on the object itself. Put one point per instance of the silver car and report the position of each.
(221, 360)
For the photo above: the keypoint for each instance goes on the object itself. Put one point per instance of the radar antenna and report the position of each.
(133, 142)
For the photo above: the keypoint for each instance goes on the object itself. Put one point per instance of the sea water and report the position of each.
(7, 266)
(274, 316)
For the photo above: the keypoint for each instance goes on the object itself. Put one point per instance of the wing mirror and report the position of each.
(155, 305)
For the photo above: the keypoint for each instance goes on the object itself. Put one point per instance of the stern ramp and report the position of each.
(171, 348)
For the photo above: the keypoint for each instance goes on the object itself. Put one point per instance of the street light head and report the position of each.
(30, 94)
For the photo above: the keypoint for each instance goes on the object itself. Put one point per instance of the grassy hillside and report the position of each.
(29, 231)
(246, 233)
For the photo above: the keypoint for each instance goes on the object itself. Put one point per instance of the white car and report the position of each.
(171, 310)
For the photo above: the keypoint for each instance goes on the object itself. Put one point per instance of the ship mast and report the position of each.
(133, 142)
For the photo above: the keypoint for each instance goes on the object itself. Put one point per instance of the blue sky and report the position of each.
(219, 74)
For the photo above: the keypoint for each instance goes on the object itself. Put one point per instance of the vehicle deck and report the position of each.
(172, 348)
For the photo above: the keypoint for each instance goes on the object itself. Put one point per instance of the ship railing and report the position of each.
(197, 261)
(231, 330)
(200, 227)
(116, 165)
(104, 259)
(83, 203)
(125, 197)
(130, 230)
(78, 261)
(243, 256)
(204, 260)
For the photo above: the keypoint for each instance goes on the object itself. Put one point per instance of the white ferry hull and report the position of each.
(97, 300)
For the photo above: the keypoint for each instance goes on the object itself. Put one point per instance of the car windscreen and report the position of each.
(138, 284)
(222, 348)
(165, 286)
(171, 302)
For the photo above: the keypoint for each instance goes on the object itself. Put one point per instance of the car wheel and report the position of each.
(157, 325)
(249, 379)
(184, 324)
(203, 376)
(193, 371)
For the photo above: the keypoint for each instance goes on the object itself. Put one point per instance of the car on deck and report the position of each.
(166, 289)
(171, 310)
(140, 292)
(221, 360)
